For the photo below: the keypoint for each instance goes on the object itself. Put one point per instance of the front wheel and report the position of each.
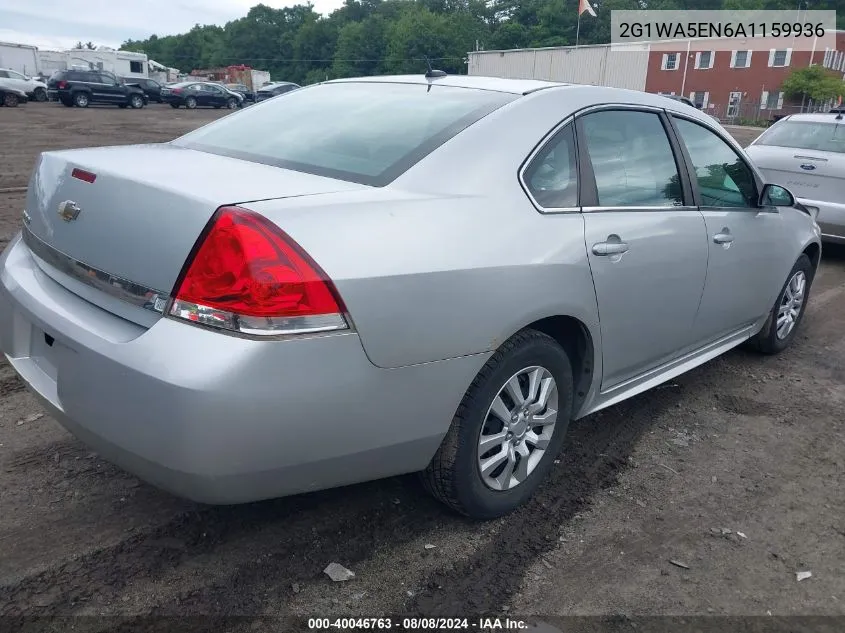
(786, 315)
(40, 95)
(137, 102)
(507, 430)
(231, 104)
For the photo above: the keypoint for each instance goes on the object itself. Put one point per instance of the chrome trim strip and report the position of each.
(641, 209)
(117, 287)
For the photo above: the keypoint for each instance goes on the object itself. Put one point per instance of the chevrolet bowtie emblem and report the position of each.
(69, 210)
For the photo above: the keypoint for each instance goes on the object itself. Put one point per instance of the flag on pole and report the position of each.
(584, 5)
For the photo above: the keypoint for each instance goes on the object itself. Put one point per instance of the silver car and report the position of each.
(391, 275)
(806, 152)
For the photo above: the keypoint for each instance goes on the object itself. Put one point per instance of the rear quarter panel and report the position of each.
(452, 258)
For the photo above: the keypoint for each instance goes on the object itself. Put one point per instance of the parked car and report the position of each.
(34, 89)
(247, 94)
(194, 94)
(151, 88)
(274, 89)
(807, 153)
(11, 97)
(385, 275)
(689, 102)
(82, 88)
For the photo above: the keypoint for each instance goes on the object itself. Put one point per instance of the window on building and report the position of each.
(700, 99)
(771, 100)
(670, 61)
(135, 67)
(704, 60)
(778, 58)
(741, 59)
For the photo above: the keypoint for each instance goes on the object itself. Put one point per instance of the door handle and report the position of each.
(723, 237)
(603, 249)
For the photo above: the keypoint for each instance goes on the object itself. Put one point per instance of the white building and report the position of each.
(19, 57)
(595, 65)
(51, 61)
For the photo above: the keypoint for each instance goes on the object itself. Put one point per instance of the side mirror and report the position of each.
(776, 196)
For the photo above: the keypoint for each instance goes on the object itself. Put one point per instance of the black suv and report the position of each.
(150, 87)
(84, 87)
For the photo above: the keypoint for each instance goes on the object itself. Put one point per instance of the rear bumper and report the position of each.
(216, 418)
(831, 218)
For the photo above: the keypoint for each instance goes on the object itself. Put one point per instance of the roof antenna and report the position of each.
(432, 73)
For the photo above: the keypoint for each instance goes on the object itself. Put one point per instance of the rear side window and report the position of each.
(552, 178)
(366, 132)
(819, 136)
(632, 159)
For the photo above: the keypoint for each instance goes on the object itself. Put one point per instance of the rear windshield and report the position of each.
(363, 132)
(812, 135)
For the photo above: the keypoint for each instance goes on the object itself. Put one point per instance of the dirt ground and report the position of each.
(734, 472)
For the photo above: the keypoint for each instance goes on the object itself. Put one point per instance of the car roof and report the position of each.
(815, 117)
(498, 84)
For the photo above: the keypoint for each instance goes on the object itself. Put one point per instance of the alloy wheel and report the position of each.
(517, 428)
(791, 304)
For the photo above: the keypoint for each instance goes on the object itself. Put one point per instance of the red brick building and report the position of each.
(742, 83)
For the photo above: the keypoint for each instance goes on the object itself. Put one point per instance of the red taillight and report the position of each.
(176, 91)
(247, 275)
(81, 174)
(61, 85)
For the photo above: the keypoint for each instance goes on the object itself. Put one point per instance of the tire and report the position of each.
(175, 106)
(232, 104)
(81, 100)
(769, 340)
(40, 95)
(454, 475)
(190, 103)
(136, 101)
(10, 100)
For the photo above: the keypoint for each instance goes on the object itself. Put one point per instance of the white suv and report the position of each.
(35, 90)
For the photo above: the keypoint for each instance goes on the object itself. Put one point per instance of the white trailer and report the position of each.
(121, 63)
(22, 58)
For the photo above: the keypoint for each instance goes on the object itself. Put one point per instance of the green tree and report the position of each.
(813, 82)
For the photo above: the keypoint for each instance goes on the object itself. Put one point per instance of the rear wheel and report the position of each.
(136, 101)
(786, 315)
(507, 431)
(10, 100)
(81, 100)
(40, 95)
(190, 103)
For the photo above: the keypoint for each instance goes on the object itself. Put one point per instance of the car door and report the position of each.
(745, 241)
(645, 239)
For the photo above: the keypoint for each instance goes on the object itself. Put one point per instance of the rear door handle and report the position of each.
(603, 249)
(723, 238)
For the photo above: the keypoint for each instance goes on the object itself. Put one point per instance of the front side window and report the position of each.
(365, 132)
(552, 178)
(724, 180)
(632, 159)
(13, 75)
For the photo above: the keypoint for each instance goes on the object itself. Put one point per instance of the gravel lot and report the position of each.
(735, 470)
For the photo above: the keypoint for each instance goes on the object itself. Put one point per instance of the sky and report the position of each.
(59, 24)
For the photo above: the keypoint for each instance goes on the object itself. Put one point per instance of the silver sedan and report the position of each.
(806, 152)
(390, 275)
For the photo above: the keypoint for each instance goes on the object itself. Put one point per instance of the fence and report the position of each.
(750, 113)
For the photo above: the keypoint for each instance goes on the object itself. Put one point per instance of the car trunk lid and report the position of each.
(809, 174)
(134, 213)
